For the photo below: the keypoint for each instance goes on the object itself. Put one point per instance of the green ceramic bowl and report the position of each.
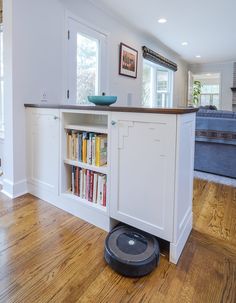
(102, 100)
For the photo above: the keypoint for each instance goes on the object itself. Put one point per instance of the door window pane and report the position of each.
(147, 89)
(87, 67)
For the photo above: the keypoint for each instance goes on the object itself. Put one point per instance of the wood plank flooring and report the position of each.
(47, 255)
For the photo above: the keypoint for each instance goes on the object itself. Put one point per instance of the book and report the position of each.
(89, 148)
(84, 147)
(95, 186)
(76, 181)
(91, 183)
(94, 150)
(76, 147)
(84, 184)
(80, 145)
(69, 154)
(101, 150)
(87, 184)
(81, 181)
(73, 180)
(67, 145)
(104, 192)
(103, 185)
(73, 144)
(100, 189)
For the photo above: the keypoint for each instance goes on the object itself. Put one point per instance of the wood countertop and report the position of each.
(156, 110)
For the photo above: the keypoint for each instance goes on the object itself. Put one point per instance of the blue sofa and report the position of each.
(215, 142)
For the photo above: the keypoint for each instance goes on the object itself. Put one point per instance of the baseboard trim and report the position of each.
(177, 248)
(88, 214)
(14, 190)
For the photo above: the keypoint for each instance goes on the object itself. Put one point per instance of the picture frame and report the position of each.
(128, 63)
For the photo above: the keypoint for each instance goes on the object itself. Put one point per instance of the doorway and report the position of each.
(205, 89)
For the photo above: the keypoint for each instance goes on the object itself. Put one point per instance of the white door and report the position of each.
(86, 62)
(142, 171)
(43, 132)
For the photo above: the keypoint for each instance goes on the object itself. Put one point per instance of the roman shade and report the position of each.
(154, 57)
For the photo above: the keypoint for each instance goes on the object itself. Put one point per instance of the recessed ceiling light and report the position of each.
(184, 43)
(162, 20)
(198, 56)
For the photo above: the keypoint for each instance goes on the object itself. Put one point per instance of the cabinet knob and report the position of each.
(113, 122)
(55, 118)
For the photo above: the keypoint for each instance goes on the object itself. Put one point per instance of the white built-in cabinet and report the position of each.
(43, 149)
(143, 171)
(149, 169)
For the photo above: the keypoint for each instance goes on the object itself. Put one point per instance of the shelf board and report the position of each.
(96, 128)
(85, 202)
(99, 169)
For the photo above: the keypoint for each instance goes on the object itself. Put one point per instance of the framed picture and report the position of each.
(128, 61)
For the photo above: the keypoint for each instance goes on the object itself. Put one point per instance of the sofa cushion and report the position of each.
(216, 130)
(216, 113)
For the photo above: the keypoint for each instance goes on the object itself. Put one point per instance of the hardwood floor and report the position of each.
(47, 255)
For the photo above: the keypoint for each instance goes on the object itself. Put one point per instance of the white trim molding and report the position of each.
(14, 190)
(177, 248)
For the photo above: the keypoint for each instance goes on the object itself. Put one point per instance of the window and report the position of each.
(209, 89)
(210, 95)
(87, 67)
(86, 62)
(1, 82)
(157, 85)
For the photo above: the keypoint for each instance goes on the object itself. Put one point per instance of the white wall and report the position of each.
(41, 40)
(121, 32)
(1, 157)
(226, 71)
(8, 94)
(34, 64)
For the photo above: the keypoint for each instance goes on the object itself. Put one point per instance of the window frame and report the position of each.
(154, 74)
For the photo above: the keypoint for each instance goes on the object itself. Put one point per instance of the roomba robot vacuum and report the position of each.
(131, 252)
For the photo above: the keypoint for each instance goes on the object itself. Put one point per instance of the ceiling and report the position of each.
(207, 25)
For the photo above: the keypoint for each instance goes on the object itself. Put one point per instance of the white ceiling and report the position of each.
(209, 26)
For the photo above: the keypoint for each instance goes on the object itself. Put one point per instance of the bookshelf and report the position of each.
(99, 169)
(84, 180)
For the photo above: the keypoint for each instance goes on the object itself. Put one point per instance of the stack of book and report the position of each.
(89, 185)
(90, 148)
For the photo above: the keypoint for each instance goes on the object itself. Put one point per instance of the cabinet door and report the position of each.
(142, 171)
(43, 145)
